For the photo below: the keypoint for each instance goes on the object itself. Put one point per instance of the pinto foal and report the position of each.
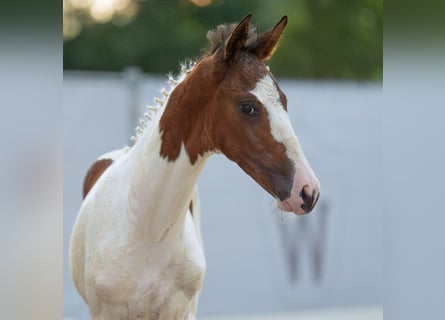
(136, 249)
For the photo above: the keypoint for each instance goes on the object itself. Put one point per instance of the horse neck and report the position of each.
(166, 162)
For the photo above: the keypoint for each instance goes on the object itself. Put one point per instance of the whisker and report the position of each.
(282, 216)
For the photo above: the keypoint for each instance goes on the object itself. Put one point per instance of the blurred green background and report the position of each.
(324, 39)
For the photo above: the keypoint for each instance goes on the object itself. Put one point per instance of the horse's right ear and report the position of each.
(237, 39)
(268, 41)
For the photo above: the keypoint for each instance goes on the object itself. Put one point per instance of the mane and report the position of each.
(160, 103)
(219, 36)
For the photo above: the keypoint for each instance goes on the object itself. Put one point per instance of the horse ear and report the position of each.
(237, 39)
(267, 42)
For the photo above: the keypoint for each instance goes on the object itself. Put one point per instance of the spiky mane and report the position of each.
(160, 103)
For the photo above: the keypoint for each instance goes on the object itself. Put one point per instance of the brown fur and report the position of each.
(94, 173)
(262, 45)
(206, 105)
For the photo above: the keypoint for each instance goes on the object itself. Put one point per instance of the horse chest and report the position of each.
(159, 282)
(169, 293)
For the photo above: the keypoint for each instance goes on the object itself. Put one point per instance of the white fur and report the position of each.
(281, 128)
(113, 155)
(136, 251)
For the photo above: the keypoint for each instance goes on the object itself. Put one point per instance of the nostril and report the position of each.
(304, 194)
(308, 197)
(316, 199)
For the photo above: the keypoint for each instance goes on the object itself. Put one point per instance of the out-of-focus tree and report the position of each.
(331, 39)
(324, 38)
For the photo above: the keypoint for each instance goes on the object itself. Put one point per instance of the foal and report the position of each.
(136, 250)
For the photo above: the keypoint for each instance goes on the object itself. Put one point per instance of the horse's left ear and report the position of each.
(237, 39)
(267, 42)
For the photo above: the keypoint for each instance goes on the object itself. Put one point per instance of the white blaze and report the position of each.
(281, 129)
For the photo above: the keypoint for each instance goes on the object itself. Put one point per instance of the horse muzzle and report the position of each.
(305, 192)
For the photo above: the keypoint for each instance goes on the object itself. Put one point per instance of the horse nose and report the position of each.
(310, 197)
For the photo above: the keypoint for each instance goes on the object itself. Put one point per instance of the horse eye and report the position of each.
(247, 108)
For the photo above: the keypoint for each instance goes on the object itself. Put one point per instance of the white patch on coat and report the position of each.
(281, 128)
(113, 155)
(267, 93)
(130, 233)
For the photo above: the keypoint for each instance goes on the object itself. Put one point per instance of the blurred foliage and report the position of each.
(324, 39)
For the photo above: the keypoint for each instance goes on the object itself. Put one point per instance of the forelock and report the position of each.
(219, 36)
